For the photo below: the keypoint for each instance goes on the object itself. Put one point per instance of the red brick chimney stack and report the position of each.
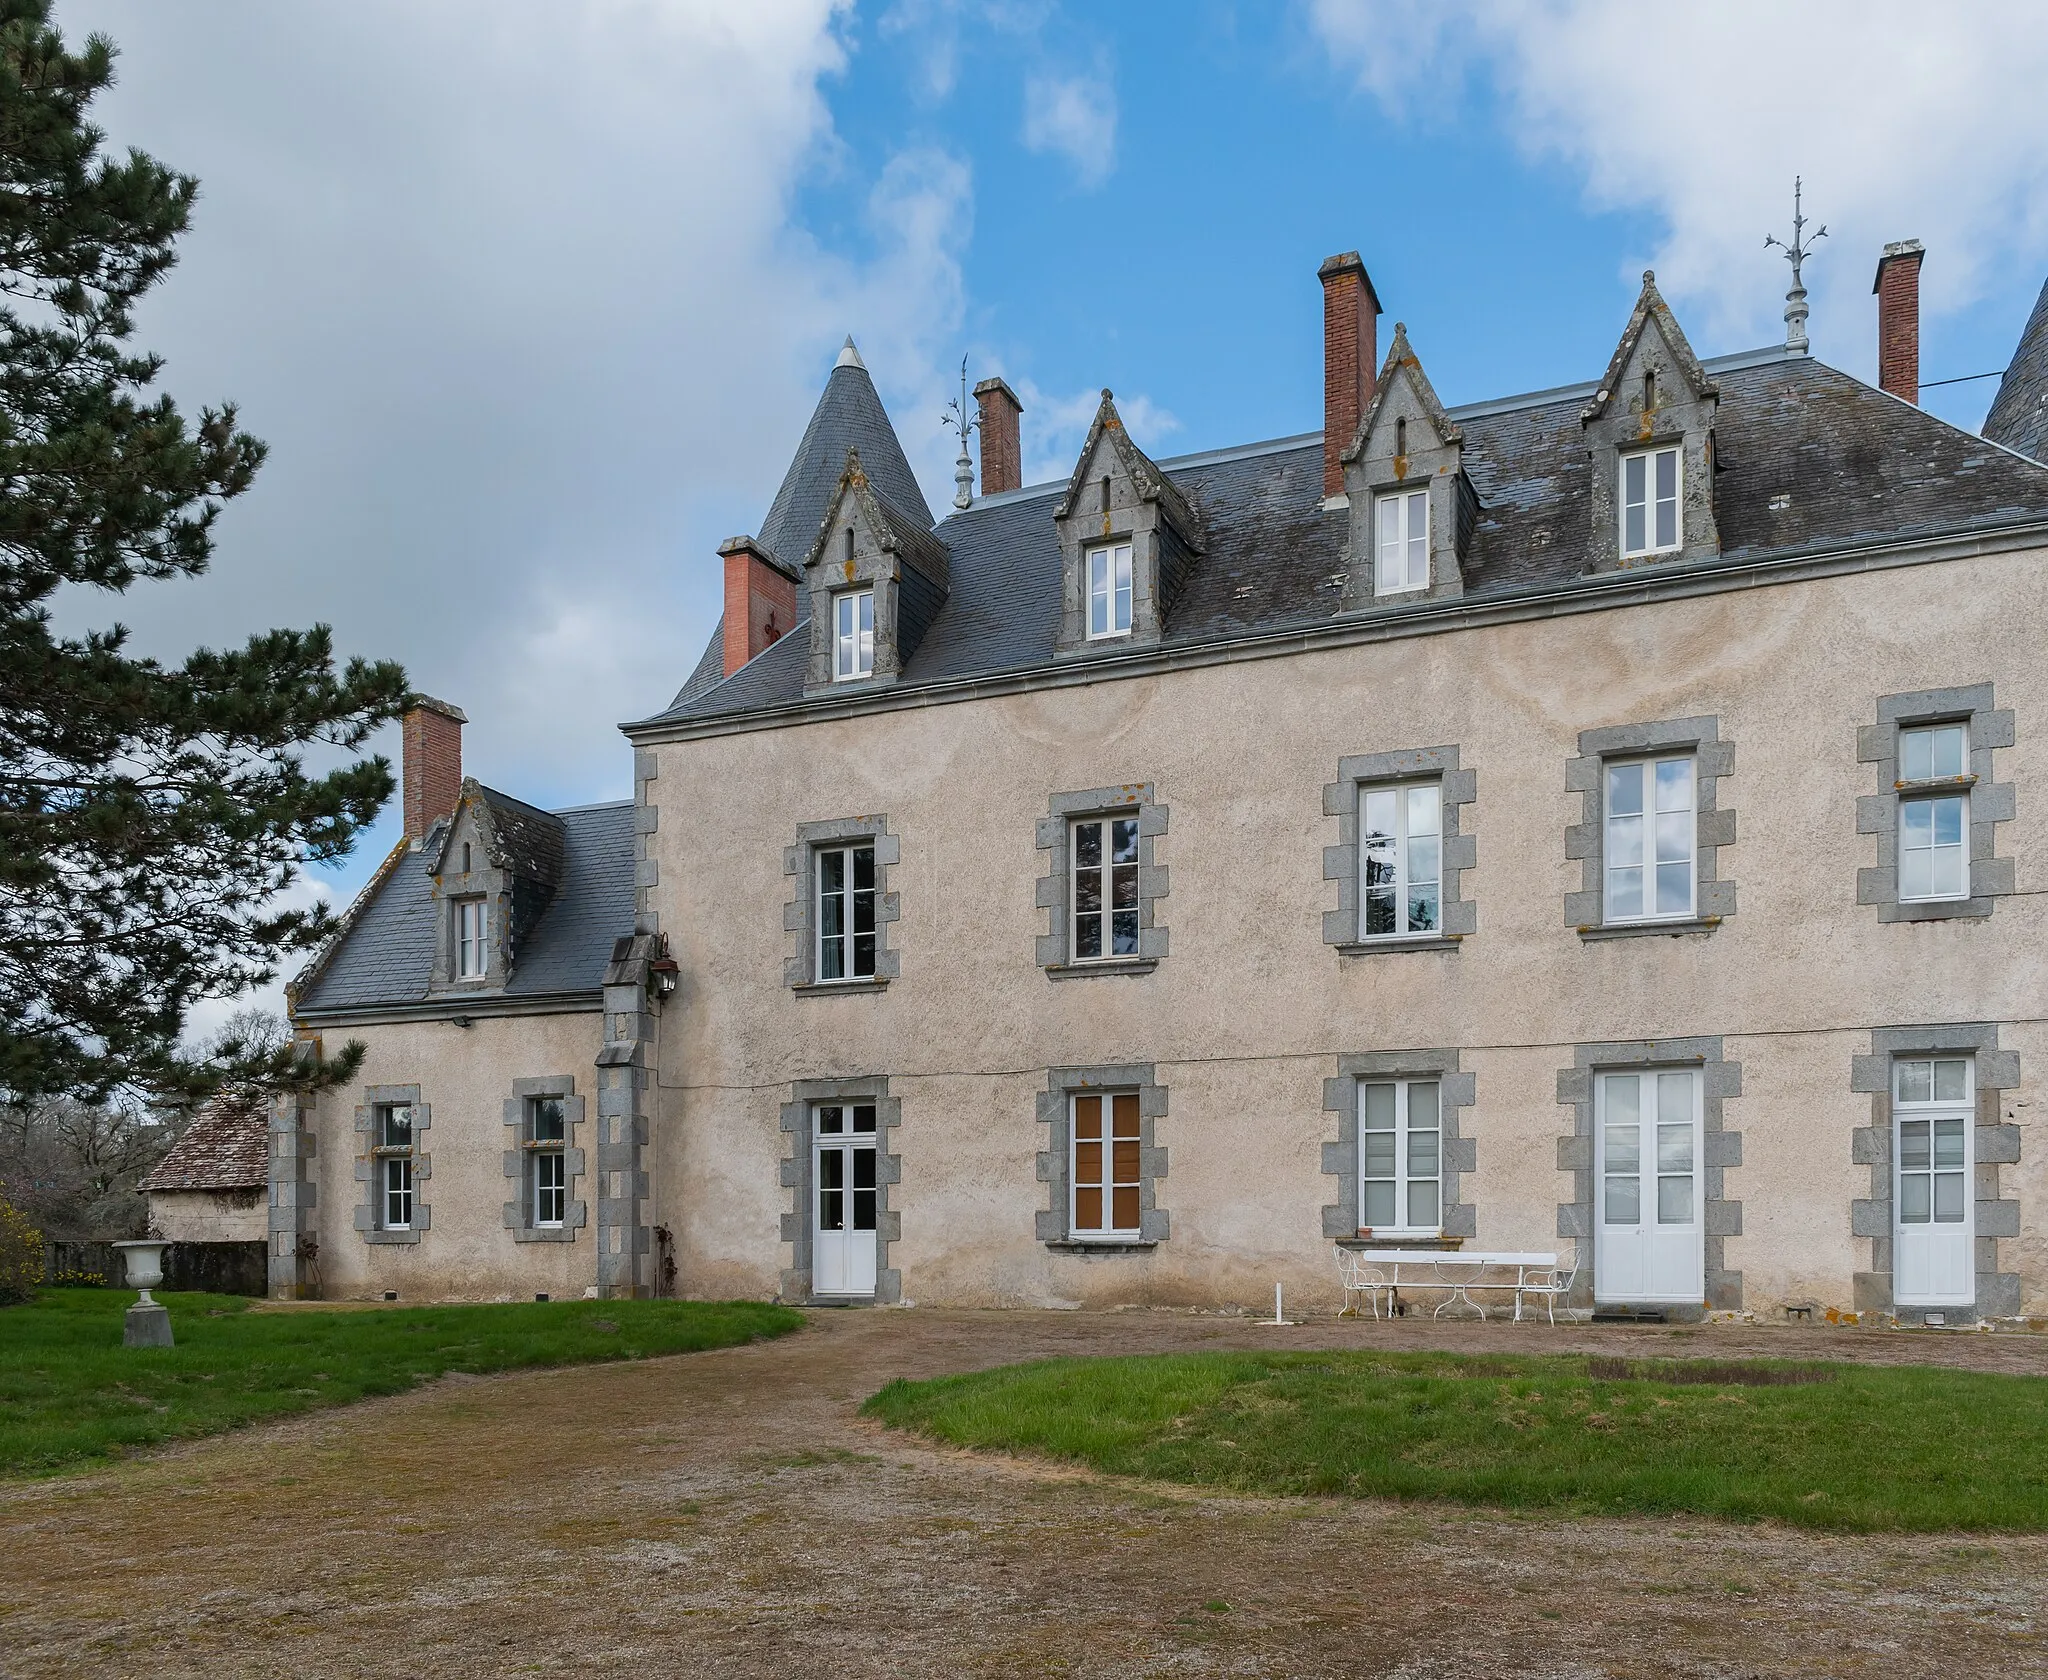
(1002, 454)
(1898, 318)
(430, 767)
(760, 600)
(1351, 358)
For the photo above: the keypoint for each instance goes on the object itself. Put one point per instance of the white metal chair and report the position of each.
(1363, 1276)
(1551, 1284)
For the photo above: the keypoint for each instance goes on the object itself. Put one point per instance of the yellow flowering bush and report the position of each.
(21, 1257)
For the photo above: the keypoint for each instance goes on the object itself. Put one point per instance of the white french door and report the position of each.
(1934, 1254)
(843, 1199)
(1649, 1236)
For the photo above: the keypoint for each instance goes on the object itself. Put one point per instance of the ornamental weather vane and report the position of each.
(956, 417)
(1796, 254)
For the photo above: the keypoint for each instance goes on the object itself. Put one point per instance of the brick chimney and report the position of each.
(760, 600)
(431, 762)
(1351, 359)
(1002, 455)
(1897, 287)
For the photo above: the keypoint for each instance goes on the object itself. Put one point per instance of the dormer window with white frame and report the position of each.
(472, 939)
(1652, 481)
(1401, 550)
(1109, 591)
(853, 635)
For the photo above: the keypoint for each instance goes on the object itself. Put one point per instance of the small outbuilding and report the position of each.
(208, 1197)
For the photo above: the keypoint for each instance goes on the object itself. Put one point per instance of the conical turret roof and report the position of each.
(2019, 413)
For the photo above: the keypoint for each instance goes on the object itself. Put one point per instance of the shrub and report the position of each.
(21, 1257)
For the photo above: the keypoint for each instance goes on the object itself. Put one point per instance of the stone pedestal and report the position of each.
(148, 1324)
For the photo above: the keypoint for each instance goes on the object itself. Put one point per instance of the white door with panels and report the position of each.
(843, 1199)
(1934, 1247)
(1649, 1242)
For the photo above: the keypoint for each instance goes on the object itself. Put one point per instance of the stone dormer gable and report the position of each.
(876, 577)
(1649, 432)
(1128, 538)
(496, 864)
(1412, 508)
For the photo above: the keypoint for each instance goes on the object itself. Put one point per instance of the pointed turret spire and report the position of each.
(849, 356)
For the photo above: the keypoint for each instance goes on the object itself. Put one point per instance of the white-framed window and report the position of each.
(547, 1161)
(1400, 855)
(1934, 828)
(1105, 871)
(1401, 553)
(1400, 1155)
(1649, 841)
(1109, 591)
(853, 635)
(472, 939)
(1104, 1183)
(393, 1149)
(1934, 1116)
(846, 1199)
(846, 912)
(1650, 519)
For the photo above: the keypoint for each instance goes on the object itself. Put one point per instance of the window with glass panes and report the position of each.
(853, 635)
(472, 954)
(1934, 828)
(1400, 1153)
(1933, 1147)
(1648, 844)
(1401, 858)
(393, 1149)
(1650, 521)
(846, 912)
(1104, 1182)
(1105, 871)
(1109, 591)
(547, 1160)
(1401, 556)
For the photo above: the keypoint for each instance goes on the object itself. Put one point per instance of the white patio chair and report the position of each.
(1551, 1284)
(1363, 1276)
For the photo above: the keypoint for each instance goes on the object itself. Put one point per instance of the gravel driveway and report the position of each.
(727, 1514)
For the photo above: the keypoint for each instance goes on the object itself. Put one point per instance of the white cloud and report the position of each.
(1055, 426)
(1073, 117)
(933, 29)
(1907, 121)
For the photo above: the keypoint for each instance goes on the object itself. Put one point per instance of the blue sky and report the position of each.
(533, 312)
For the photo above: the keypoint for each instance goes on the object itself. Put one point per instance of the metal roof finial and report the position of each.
(1796, 254)
(956, 417)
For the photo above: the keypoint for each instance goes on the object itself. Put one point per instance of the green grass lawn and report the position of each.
(71, 1393)
(1864, 1447)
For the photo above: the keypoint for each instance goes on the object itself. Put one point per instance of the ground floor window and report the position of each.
(846, 1199)
(546, 1161)
(1103, 1179)
(1400, 1155)
(1934, 1110)
(393, 1150)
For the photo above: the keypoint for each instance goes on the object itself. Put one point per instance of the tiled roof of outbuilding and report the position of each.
(1810, 460)
(2019, 413)
(227, 1147)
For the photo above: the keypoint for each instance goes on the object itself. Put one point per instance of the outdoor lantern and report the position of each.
(148, 1323)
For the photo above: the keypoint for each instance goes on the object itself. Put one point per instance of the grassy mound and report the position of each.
(71, 1393)
(1830, 1446)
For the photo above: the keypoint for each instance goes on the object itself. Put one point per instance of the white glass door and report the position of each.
(843, 1199)
(1649, 1237)
(1933, 1107)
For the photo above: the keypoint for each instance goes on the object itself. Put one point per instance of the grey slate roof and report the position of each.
(1851, 464)
(2019, 413)
(386, 956)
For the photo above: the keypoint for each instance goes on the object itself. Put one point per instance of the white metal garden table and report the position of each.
(1458, 1271)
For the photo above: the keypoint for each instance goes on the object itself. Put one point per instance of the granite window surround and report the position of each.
(799, 915)
(798, 1118)
(1458, 1152)
(1720, 1149)
(518, 1112)
(369, 1221)
(1991, 802)
(1996, 1145)
(1342, 800)
(1714, 824)
(1055, 1112)
(1055, 887)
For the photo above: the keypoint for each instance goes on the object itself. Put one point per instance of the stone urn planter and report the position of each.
(148, 1323)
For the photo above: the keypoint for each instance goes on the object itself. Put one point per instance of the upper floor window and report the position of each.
(846, 912)
(1401, 859)
(853, 635)
(1934, 861)
(1401, 556)
(472, 949)
(1649, 501)
(393, 1150)
(1648, 843)
(1105, 888)
(547, 1161)
(1107, 1187)
(1109, 591)
(1400, 1154)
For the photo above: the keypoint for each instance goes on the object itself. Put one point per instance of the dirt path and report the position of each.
(727, 1514)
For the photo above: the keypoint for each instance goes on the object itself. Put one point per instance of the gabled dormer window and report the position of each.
(472, 939)
(1650, 486)
(853, 634)
(1401, 562)
(1109, 591)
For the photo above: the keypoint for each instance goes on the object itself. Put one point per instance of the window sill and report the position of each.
(1637, 930)
(543, 1234)
(1102, 1245)
(1081, 970)
(389, 1236)
(1400, 942)
(829, 988)
(1937, 910)
(1393, 1239)
(1941, 784)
